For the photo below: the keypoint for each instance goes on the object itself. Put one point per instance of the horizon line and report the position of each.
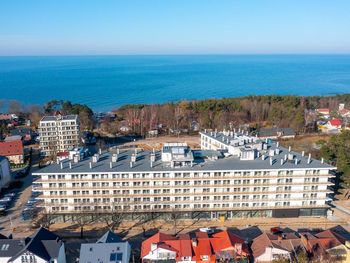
(178, 54)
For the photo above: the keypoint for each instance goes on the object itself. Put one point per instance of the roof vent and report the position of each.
(115, 158)
(133, 158)
(95, 158)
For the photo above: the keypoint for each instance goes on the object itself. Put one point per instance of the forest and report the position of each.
(257, 111)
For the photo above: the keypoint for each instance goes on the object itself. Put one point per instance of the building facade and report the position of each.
(5, 172)
(234, 175)
(58, 133)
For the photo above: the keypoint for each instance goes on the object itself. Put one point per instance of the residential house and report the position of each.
(342, 111)
(276, 133)
(109, 248)
(27, 134)
(10, 247)
(326, 245)
(13, 150)
(195, 247)
(43, 246)
(269, 247)
(334, 124)
(325, 112)
(5, 172)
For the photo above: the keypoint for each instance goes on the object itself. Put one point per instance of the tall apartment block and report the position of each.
(234, 175)
(58, 133)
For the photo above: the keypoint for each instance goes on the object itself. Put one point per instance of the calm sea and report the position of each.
(105, 82)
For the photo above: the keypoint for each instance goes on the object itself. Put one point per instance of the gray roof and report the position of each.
(13, 138)
(10, 247)
(101, 252)
(64, 117)
(272, 132)
(43, 243)
(109, 237)
(143, 164)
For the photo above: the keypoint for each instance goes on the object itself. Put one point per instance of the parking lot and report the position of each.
(17, 207)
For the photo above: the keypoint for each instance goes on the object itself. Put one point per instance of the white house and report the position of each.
(109, 248)
(160, 252)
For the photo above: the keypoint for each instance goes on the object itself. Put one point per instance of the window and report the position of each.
(113, 257)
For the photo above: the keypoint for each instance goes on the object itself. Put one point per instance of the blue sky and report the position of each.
(79, 27)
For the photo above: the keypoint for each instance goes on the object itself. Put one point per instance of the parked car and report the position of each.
(11, 195)
(32, 200)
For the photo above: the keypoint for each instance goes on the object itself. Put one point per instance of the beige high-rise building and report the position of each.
(58, 133)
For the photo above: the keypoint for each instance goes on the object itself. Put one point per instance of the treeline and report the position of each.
(36, 112)
(281, 111)
(337, 152)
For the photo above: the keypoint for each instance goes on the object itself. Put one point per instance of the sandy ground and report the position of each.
(157, 142)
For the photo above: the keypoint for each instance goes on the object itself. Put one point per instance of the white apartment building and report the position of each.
(233, 175)
(58, 133)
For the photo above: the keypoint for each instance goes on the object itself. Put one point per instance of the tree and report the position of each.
(114, 219)
(82, 220)
(15, 107)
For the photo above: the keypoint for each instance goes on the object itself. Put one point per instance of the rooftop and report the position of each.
(59, 117)
(9, 148)
(143, 164)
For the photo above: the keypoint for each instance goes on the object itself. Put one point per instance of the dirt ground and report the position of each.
(305, 143)
(157, 142)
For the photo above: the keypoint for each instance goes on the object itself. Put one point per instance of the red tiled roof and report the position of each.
(201, 245)
(10, 148)
(159, 237)
(323, 110)
(335, 122)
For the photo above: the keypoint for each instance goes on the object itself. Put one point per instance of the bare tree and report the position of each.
(114, 219)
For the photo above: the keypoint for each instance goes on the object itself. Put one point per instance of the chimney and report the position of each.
(90, 165)
(322, 160)
(114, 158)
(151, 164)
(303, 153)
(58, 161)
(130, 164)
(296, 161)
(110, 165)
(133, 158)
(205, 130)
(70, 165)
(100, 151)
(61, 165)
(289, 149)
(76, 158)
(278, 144)
(271, 161)
(309, 159)
(194, 242)
(153, 157)
(282, 162)
(263, 157)
(117, 150)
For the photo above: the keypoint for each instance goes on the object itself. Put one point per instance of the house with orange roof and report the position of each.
(195, 247)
